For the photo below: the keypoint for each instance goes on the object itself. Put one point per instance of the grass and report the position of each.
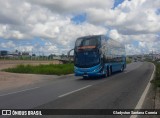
(128, 60)
(51, 69)
(156, 81)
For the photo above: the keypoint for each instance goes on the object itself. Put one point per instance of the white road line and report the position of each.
(141, 100)
(19, 91)
(74, 91)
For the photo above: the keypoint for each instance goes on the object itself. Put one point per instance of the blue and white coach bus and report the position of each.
(98, 55)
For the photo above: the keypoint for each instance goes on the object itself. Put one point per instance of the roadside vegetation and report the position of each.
(128, 60)
(51, 69)
(156, 81)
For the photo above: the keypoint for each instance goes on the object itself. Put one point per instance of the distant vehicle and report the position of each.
(98, 55)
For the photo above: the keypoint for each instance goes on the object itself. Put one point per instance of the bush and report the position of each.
(128, 60)
(51, 69)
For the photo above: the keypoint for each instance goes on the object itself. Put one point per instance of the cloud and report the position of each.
(145, 43)
(7, 44)
(72, 6)
(135, 20)
(143, 48)
(13, 12)
(129, 18)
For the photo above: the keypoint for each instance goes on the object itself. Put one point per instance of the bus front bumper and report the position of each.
(89, 72)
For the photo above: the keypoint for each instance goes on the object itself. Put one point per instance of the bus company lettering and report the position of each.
(22, 113)
(34, 113)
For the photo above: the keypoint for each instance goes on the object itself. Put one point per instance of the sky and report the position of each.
(52, 26)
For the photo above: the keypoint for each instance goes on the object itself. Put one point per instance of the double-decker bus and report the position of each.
(98, 55)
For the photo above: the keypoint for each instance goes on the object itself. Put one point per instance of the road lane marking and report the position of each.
(19, 91)
(141, 100)
(74, 91)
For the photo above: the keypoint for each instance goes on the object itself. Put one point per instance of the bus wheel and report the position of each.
(122, 68)
(105, 75)
(108, 72)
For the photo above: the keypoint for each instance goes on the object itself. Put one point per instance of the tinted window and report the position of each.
(91, 41)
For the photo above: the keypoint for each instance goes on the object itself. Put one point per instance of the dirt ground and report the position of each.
(14, 80)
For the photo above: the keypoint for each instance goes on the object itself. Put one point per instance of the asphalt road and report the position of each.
(119, 91)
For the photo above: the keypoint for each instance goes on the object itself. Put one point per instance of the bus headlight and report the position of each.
(97, 69)
(75, 68)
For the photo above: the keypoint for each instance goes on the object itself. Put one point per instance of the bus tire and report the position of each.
(109, 72)
(105, 71)
(122, 68)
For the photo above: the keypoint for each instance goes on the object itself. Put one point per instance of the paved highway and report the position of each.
(119, 91)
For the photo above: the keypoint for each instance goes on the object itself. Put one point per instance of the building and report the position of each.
(3, 53)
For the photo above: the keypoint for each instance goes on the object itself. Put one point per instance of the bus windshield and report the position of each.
(86, 51)
(87, 43)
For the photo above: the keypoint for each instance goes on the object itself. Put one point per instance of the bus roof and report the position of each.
(90, 36)
(108, 38)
